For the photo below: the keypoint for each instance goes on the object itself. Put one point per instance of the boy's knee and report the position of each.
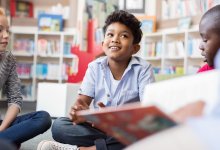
(59, 128)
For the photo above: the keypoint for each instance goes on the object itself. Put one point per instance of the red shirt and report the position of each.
(206, 67)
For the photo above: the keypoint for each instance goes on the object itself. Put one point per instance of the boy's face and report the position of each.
(4, 33)
(210, 41)
(118, 42)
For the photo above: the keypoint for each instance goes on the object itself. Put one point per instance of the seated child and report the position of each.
(210, 34)
(13, 128)
(112, 80)
(197, 133)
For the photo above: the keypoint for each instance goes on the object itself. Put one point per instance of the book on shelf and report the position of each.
(23, 46)
(132, 122)
(47, 71)
(193, 47)
(181, 8)
(24, 70)
(48, 47)
(175, 49)
(148, 23)
(152, 49)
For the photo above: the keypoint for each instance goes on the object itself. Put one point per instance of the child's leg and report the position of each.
(84, 135)
(108, 144)
(26, 127)
(7, 145)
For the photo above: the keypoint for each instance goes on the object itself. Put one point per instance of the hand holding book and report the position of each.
(78, 106)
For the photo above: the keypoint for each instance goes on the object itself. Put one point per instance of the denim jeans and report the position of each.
(5, 145)
(26, 126)
(84, 134)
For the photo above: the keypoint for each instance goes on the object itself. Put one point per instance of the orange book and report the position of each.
(148, 23)
(128, 123)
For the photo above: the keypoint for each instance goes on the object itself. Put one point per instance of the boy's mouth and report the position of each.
(114, 48)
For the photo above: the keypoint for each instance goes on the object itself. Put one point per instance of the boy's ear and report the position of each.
(136, 48)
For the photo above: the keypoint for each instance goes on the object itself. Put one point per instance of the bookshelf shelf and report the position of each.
(22, 55)
(153, 58)
(37, 64)
(175, 49)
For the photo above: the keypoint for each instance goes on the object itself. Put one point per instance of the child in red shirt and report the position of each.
(210, 33)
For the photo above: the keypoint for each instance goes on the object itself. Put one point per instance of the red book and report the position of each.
(128, 123)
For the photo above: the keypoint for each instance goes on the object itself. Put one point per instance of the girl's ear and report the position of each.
(136, 48)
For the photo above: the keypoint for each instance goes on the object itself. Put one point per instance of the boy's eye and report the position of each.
(205, 40)
(124, 36)
(109, 35)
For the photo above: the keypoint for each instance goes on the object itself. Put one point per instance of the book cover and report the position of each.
(128, 123)
(148, 23)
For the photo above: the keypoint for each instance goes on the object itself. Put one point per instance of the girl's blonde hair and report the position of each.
(2, 11)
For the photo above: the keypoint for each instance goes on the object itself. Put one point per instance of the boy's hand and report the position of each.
(101, 105)
(79, 105)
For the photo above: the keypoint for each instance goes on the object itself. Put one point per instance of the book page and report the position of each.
(172, 94)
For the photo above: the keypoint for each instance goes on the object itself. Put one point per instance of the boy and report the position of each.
(112, 80)
(13, 128)
(210, 33)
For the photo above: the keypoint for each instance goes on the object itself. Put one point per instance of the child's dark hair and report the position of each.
(127, 19)
(213, 14)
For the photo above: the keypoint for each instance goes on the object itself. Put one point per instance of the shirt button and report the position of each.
(108, 95)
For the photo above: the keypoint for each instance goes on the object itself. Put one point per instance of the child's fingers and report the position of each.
(72, 115)
(100, 104)
(91, 123)
(79, 120)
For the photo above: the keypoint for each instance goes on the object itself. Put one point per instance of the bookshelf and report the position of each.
(172, 52)
(42, 57)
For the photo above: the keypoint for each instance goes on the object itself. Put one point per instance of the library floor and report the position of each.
(32, 143)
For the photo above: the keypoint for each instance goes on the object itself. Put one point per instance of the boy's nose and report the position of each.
(115, 40)
(201, 45)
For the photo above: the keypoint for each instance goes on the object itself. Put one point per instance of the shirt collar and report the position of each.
(134, 61)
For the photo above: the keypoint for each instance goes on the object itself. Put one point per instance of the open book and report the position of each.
(129, 123)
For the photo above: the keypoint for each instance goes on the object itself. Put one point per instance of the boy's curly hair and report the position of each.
(128, 20)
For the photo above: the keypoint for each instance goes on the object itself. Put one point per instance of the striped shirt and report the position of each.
(9, 81)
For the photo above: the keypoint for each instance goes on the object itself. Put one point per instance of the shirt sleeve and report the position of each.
(146, 77)
(13, 85)
(88, 84)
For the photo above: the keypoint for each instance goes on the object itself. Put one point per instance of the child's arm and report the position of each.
(194, 109)
(82, 103)
(11, 114)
